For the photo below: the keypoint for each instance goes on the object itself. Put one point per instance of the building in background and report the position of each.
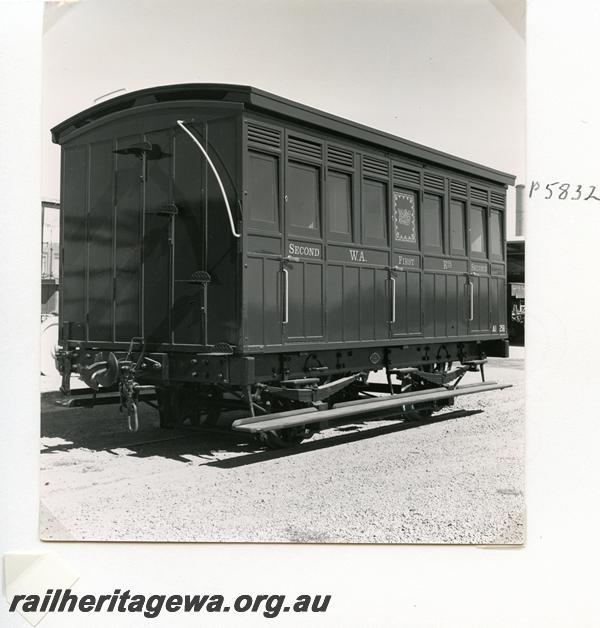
(515, 254)
(50, 257)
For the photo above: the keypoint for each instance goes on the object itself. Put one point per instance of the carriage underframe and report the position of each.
(271, 397)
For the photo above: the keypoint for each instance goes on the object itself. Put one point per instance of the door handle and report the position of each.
(286, 294)
(393, 282)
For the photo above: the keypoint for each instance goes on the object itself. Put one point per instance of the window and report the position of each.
(339, 203)
(303, 198)
(375, 211)
(404, 219)
(431, 212)
(457, 227)
(478, 229)
(496, 234)
(263, 190)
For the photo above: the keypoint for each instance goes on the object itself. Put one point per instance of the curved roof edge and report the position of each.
(263, 101)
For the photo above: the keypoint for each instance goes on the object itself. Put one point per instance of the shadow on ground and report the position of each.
(103, 428)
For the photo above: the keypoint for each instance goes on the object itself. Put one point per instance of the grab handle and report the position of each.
(210, 163)
(286, 295)
(470, 292)
(393, 281)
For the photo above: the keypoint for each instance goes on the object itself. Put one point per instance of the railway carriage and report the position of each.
(232, 250)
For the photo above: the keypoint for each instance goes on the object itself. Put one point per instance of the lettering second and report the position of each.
(305, 251)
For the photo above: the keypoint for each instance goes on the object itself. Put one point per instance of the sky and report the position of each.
(447, 74)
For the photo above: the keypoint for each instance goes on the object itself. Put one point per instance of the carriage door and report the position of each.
(302, 267)
(478, 293)
(153, 298)
(405, 276)
(143, 236)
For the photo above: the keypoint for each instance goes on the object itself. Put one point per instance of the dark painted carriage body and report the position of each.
(358, 249)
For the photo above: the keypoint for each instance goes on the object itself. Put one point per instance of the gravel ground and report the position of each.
(456, 479)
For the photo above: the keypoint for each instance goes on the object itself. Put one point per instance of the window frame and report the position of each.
(428, 248)
(484, 231)
(465, 232)
(257, 224)
(294, 231)
(368, 240)
(339, 236)
(500, 213)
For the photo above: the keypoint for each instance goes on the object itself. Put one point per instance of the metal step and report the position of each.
(362, 407)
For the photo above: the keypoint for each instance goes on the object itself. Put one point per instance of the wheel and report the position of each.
(287, 437)
(166, 398)
(422, 411)
(214, 409)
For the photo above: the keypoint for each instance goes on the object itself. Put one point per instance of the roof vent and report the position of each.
(264, 137)
(301, 149)
(433, 181)
(375, 167)
(477, 194)
(458, 188)
(403, 176)
(340, 157)
(498, 198)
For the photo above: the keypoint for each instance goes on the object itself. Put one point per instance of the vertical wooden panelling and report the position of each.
(255, 289)
(272, 311)
(186, 313)
(484, 303)
(335, 303)
(264, 312)
(224, 324)
(74, 211)
(494, 304)
(188, 168)
(502, 303)
(429, 304)
(476, 322)
(313, 301)
(295, 326)
(351, 303)
(413, 300)
(403, 305)
(100, 297)
(127, 243)
(445, 304)
(440, 305)
(305, 301)
(189, 239)
(380, 299)
(366, 281)
(408, 304)
(157, 227)
(452, 309)
(481, 305)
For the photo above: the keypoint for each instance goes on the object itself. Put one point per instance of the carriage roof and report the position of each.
(260, 101)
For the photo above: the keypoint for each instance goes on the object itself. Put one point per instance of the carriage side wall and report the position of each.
(347, 245)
